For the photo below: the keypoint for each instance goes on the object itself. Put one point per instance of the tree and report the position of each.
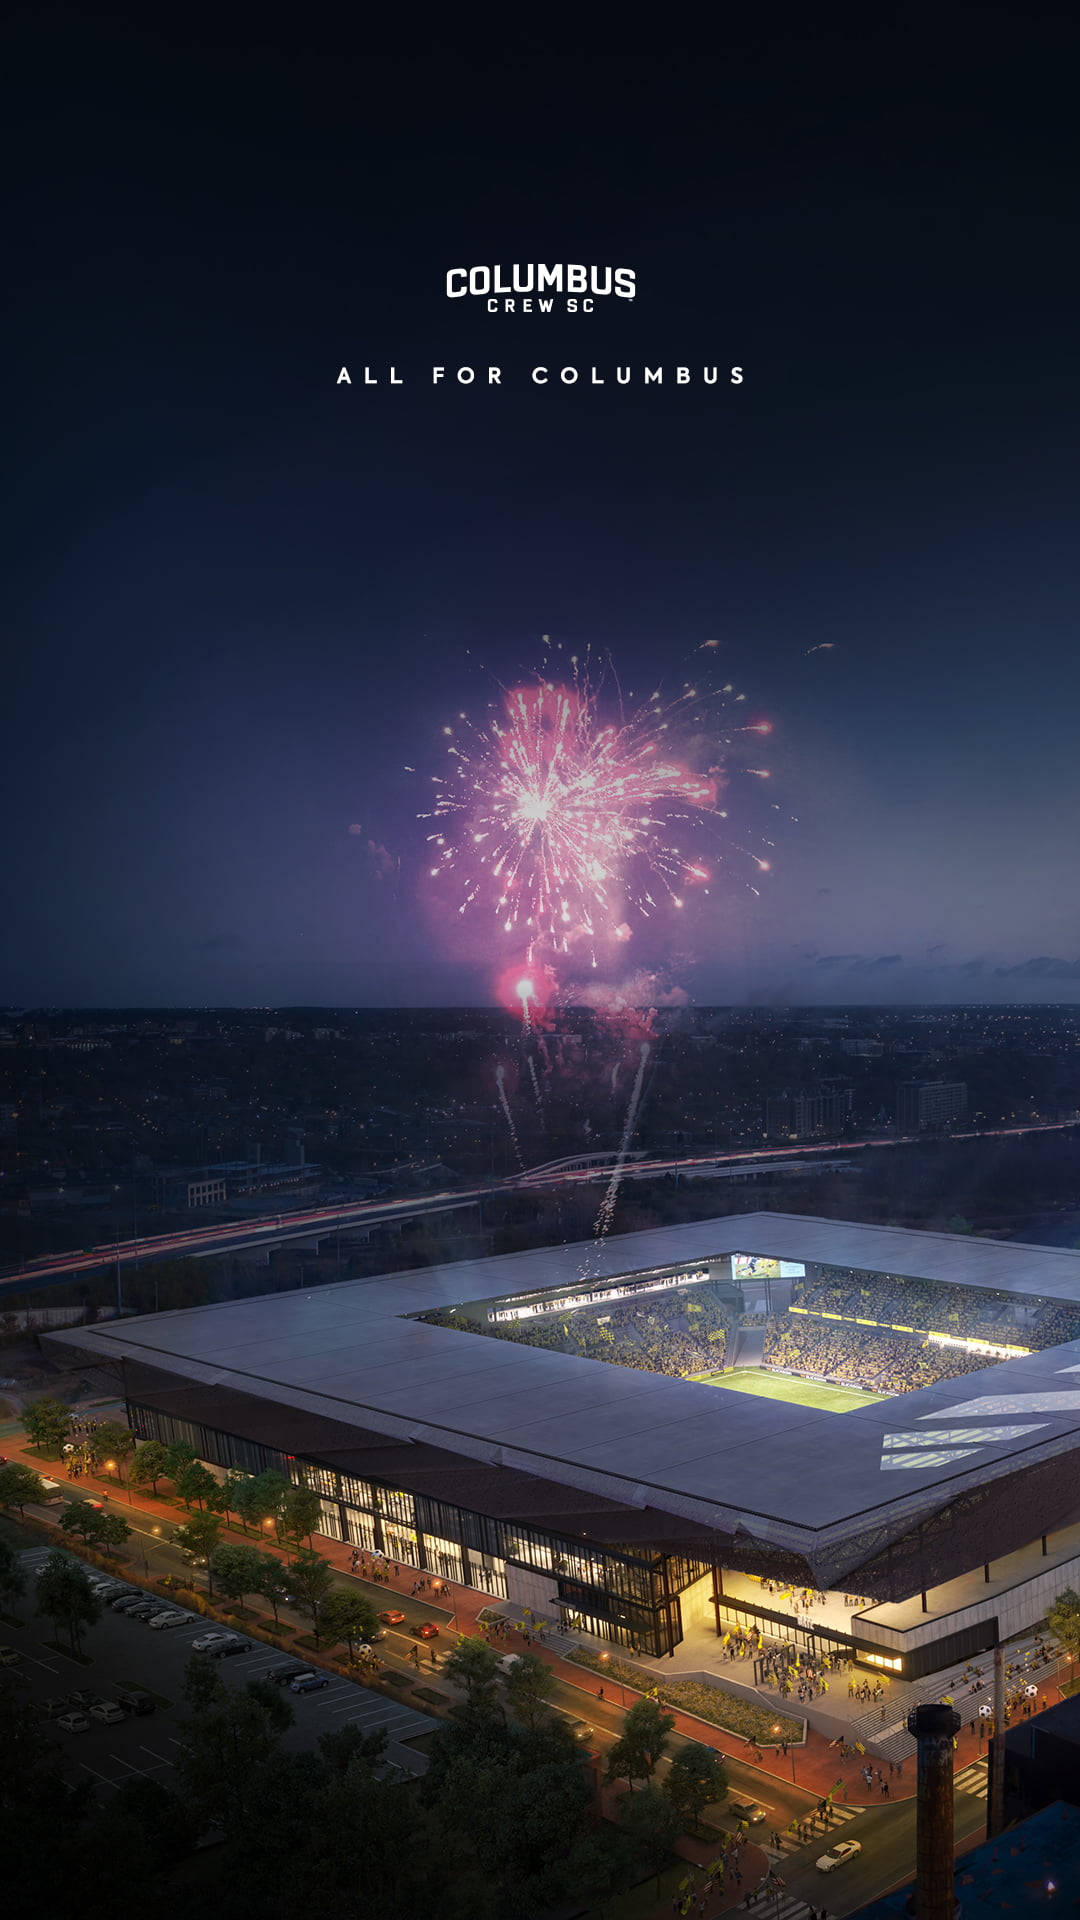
(64, 1595)
(112, 1441)
(1063, 1620)
(178, 1456)
(694, 1780)
(47, 1423)
(150, 1463)
(237, 1570)
(311, 1578)
(195, 1483)
(197, 1538)
(349, 1616)
(651, 1825)
(512, 1810)
(226, 1745)
(80, 1518)
(641, 1744)
(528, 1686)
(229, 1491)
(299, 1514)
(475, 1666)
(273, 1582)
(114, 1532)
(260, 1496)
(20, 1486)
(344, 1745)
(12, 1577)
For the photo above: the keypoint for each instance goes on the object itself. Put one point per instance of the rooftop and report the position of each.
(793, 1475)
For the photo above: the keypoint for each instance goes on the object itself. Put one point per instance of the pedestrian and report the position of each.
(599, 1693)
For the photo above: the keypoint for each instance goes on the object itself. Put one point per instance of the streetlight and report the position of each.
(605, 1657)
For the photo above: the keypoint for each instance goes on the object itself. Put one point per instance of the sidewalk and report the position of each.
(815, 1767)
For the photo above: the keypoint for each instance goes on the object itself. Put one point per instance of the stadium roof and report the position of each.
(791, 1475)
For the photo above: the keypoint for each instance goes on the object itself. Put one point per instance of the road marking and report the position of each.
(156, 1756)
(97, 1775)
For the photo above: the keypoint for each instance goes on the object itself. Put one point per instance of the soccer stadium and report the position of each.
(860, 1440)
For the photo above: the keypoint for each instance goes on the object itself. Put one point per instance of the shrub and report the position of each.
(697, 1697)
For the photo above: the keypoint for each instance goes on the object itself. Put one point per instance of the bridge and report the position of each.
(309, 1226)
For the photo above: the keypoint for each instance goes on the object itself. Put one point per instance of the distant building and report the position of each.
(922, 1104)
(176, 1192)
(799, 1116)
(863, 1049)
(183, 1187)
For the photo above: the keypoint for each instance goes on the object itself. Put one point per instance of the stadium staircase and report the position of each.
(745, 1347)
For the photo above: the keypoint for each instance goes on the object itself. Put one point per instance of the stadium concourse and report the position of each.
(537, 1427)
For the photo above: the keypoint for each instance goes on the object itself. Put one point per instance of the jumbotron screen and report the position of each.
(750, 1266)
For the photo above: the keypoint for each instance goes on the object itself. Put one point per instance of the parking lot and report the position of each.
(126, 1653)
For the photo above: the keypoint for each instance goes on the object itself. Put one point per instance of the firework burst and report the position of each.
(566, 824)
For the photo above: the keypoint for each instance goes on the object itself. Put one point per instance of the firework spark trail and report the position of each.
(500, 1082)
(535, 1086)
(606, 1213)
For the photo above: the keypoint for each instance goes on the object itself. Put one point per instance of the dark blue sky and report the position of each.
(243, 597)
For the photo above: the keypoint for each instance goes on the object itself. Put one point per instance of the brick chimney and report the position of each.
(934, 1728)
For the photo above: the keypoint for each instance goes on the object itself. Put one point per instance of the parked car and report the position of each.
(284, 1676)
(208, 1640)
(226, 1648)
(140, 1703)
(749, 1811)
(309, 1682)
(161, 1621)
(392, 1617)
(836, 1856)
(83, 1698)
(110, 1712)
(126, 1601)
(427, 1630)
(53, 1705)
(9, 1656)
(74, 1723)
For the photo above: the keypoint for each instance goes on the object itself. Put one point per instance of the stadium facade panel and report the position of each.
(607, 1491)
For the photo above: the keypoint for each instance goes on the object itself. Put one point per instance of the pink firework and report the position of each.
(565, 825)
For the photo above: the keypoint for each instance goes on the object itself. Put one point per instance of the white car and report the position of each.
(108, 1713)
(74, 1723)
(836, 1856)
(165, 1620)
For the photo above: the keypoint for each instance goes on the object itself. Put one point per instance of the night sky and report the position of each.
(243, 598)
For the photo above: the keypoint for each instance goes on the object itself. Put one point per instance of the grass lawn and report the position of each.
(785, 1386)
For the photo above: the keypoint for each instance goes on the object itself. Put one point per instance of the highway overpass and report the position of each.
(308, 1226)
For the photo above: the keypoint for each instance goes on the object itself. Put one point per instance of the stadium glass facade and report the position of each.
(628, 1597)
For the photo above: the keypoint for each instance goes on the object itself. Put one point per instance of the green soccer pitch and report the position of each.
(784, 1386)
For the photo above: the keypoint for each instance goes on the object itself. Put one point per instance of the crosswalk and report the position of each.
(816, 1828)
(973, 1779)
(785, 1906)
